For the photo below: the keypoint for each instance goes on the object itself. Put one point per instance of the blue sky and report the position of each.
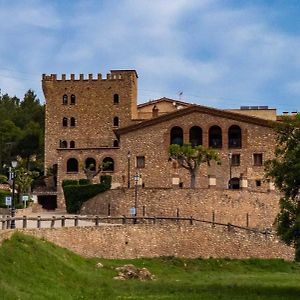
(220, 53)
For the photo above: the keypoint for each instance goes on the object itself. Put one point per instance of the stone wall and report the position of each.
(229, 206)
(132, 241)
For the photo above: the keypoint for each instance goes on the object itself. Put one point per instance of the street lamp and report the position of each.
(14, 164)
(230, 169)
(128, 168)
(136, 180)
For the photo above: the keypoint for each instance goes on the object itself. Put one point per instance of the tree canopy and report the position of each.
(21, 128)
(284, 169)
(191, 158)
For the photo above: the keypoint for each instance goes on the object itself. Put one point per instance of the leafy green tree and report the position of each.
(284, 169)
(191, 158)
(24, 179)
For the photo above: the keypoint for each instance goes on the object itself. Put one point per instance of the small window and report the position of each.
(116, 98)
(116, 121)
(63, 144)
(73, 122)
(73, 99)
(258, 183)
(140, 162)
(257, 159)
(72, 144)
(72, 165)
(108, 164)
(116, 143)
(65, 99)
(235, 159)
(65, 122)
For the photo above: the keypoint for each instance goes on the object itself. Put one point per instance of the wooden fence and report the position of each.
(74, 221)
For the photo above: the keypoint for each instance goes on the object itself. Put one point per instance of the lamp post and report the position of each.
(136, 180)
(13, 209)
(230, 169)
(128, 168)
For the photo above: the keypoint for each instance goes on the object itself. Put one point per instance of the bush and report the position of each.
(75, 195)
(69, 182)
(3, 179)
(106, 180)
(3, 194)
(83, 181)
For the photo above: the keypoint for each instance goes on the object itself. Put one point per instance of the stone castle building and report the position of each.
(94, 120)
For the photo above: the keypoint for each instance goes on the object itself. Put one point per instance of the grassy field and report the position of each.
(35, 269)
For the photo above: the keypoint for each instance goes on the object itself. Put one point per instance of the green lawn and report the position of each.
(35, 269)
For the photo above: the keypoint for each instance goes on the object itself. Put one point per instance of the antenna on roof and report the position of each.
(180, 94)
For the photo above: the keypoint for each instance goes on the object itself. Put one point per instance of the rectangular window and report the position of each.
(235, 159)
(258, 183)
(257, 159)
(140, 162)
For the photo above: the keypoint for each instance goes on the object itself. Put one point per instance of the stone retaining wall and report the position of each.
(132, 241)
(228, 206)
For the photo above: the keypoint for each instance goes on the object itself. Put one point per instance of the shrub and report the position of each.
(83, 181)
(69, 182)
(3, 179)
(75, 195)
(3, 194)
(106, 180)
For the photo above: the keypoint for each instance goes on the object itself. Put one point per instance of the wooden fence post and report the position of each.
(247, 220)
(97, 221)
(52, 222)
(76, 221)
(24, 222)
(39, 222)
(191, 220)
(63, 221)
(144, 210)
(124, 219)
(229, 227)
(108, 210)
(213, 218)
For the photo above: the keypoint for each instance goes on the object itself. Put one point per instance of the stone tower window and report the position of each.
(73, 122)
(90, 164)
(176, 136)
(116, 99)
(116, 121)
(234, 137)
(257, 159)
(73, 99)
(140, 162)
(108, 164)
(235, 159)
(63, 144)
(196, 136)
(72, 144)
(65, 99)
(72, 165)
(215, 137)
(65, 122)
(116, 143)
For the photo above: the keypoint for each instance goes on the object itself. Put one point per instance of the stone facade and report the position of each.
(133, 241)
(81, 126)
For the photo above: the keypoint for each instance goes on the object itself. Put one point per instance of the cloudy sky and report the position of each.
(221, 53)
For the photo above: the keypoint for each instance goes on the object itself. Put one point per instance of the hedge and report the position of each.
(69, 182)
(83, 181)
(75, 195)
(106, 179)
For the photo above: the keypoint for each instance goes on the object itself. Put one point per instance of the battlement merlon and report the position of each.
(113, 75)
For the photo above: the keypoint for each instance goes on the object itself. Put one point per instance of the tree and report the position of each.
(91, 171)
(191, 158)
(284, 169)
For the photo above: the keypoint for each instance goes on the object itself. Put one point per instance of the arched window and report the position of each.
(196, 136)
(63, 144)
(65, 99)
(234, 183)
(215, 137)
(108, 164)
(65, 122)
(116, 98)
(116, 143)
(72, 165)
(234, 137)
(73, 99)
(90, 164)
(176, 136)
(72, 144)
(116, 121)
(72, 122)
